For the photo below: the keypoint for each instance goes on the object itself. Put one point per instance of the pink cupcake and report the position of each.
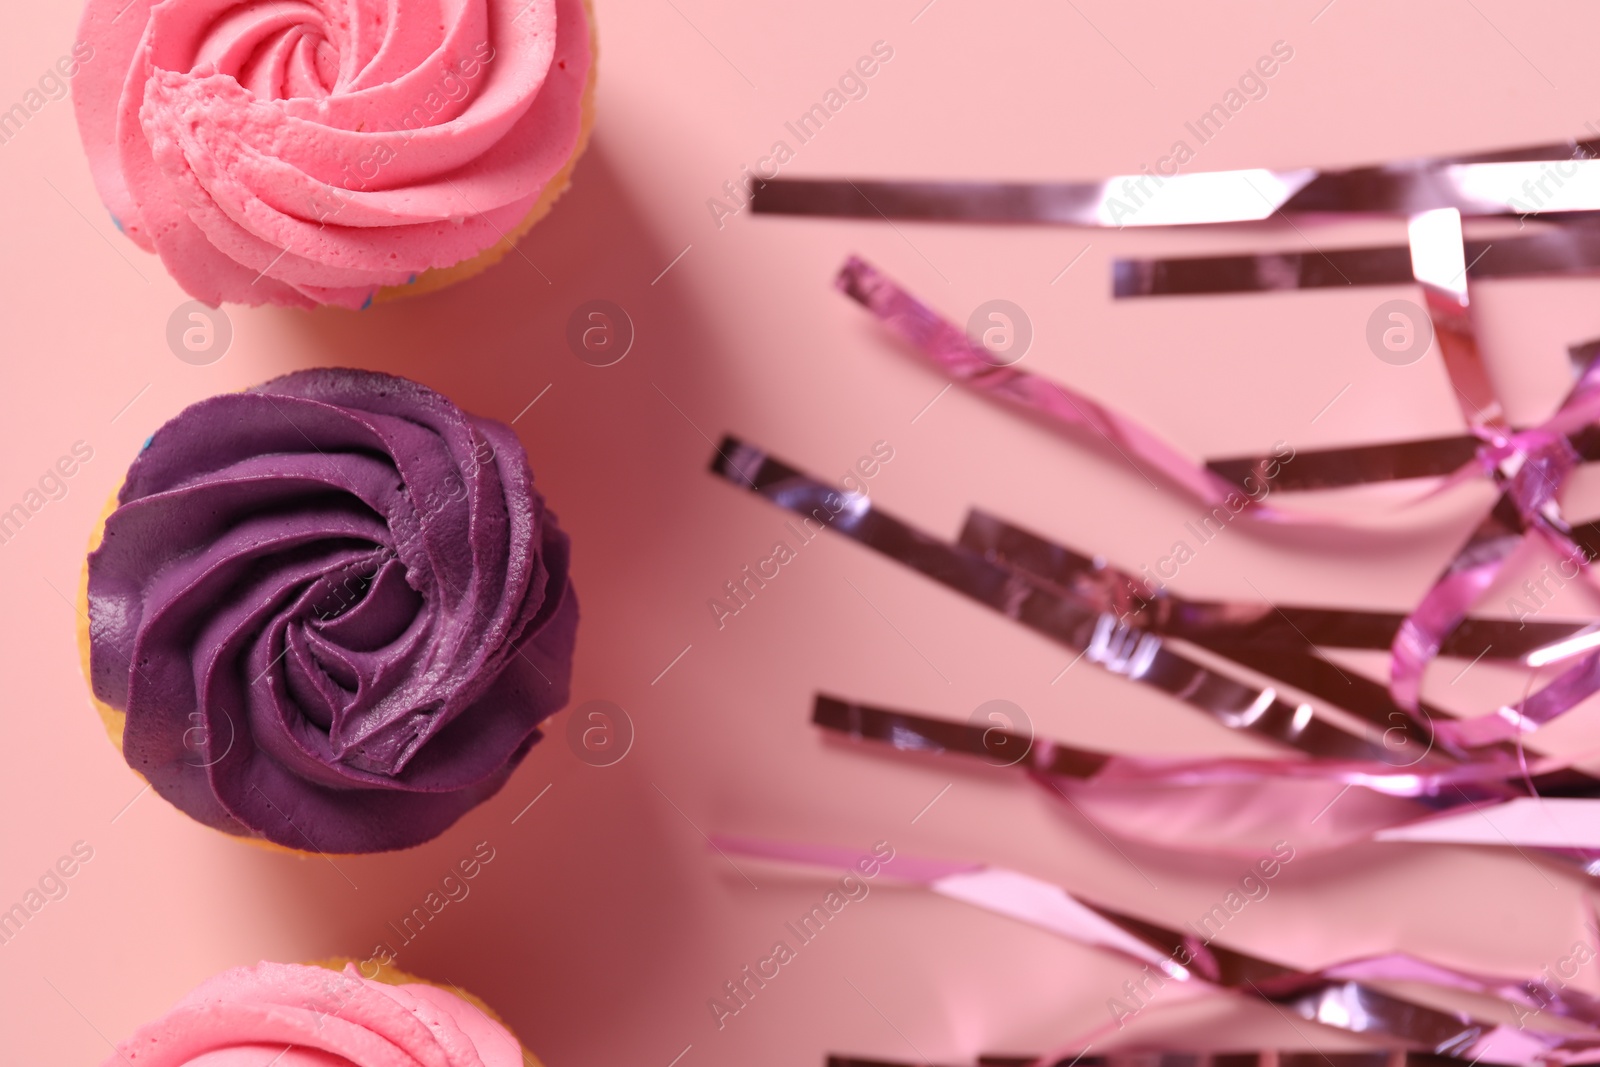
(339, 1013)
(332, 153)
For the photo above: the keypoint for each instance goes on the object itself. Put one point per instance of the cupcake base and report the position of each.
(110, 717)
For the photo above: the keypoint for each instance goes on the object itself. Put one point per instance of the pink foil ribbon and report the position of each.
(1340, 995)
(1529, 465)
(1434, 193)
(1227, 806)
(949, 348)
(1086, 606)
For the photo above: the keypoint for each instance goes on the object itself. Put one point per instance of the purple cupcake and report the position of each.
(329, 613)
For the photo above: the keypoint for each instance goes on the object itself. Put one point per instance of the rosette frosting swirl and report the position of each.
(334, 610)
(312, 151)
(297, 1015)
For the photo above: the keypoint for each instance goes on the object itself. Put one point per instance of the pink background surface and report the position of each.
(605, 923)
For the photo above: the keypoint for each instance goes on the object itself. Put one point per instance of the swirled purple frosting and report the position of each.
(334, 610)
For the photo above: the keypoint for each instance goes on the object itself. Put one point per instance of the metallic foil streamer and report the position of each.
(1494, 183)
(1342, 996)
(1174, 1058)
(949, 348)
(954, 353)
(1215, 805)
(1088, 607)
(1095, 616)
(1530, 465)
(1076, 623)
(1267, 627)
(1285, 643)
(1434, 457)
(1530, 469)
(1562, 250)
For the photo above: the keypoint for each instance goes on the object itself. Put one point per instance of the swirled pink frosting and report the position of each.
(309, 152)
(294, 1015)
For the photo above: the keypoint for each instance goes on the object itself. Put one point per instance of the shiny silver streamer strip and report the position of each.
(1434, 457)
(1169, 1058)
(1135, 654)
(1566, 250)
(1489, 184)
(1047, 759)
(1276, 642)
(1269, 627)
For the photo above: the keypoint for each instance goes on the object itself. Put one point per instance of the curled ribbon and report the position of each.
(1341, 995)
(1530, 466)
(1088, 607)
(1230, 806)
